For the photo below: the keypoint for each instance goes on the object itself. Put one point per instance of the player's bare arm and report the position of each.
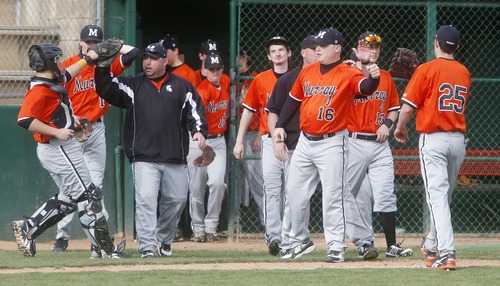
(401, 132)
(279, 147)
(198, 136)
(239, 148)
(42, 128)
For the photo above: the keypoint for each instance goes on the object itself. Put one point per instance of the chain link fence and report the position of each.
(409, 24)
(27, 22)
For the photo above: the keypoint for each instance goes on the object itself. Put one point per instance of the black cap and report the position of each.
(208, 47)
(244, 50)
(155, 50)
(170, 42)
(213, 61)
(449, 35)
(370, 38)
(308, 43)
(276, 40)
(91, 33)
(329, 36)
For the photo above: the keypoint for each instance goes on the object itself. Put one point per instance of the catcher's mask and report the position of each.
(47, 57)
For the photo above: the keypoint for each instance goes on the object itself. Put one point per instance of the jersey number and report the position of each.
(326, 114)
(452, 98)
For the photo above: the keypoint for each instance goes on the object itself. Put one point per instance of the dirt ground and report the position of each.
(257, 245)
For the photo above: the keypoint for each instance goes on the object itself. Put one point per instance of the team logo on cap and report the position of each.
(214, 60)
(320, 34)
(92, 32)
(212, 46)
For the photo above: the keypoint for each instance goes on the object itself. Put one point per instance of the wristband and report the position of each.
(82, 63)
(388, 122)
(88, 59)
(365, 63)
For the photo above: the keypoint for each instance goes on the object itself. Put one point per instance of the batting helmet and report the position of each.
(47, 57)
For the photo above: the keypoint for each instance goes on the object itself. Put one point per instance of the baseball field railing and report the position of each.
(409, 24)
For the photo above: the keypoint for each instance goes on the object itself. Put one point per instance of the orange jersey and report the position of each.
(216, 101)
(86, 102)
(258, 94)
(225, 80)
(186, 72)
(327, 99)
(439, 91)
(48, 106)
(245, 85)
(369, 112)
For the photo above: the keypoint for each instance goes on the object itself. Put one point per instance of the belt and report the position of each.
(48, 142)
(98, 119)
(318, 137)
(213, 136)
(355, 135)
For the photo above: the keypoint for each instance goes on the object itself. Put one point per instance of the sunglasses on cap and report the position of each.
(373, 39)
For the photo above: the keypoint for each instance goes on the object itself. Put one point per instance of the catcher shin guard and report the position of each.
(50, 213)
(98, 233)
(94, 195)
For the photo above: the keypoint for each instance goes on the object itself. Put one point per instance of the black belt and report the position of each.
(48, 142)
(318, 137)
(363, 137)
(98, 119)
(213, 136)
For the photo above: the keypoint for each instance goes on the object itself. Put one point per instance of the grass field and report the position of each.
(480, 266)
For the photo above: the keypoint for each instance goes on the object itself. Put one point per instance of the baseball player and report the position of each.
(252, 169)
(438, 91)
(161, 109)
(284, 150)
(324, 92)
(206, 48)
(216, 102)
(175, 64)
(256, 99)
(369, 124)
(86, 103)
(47, 112)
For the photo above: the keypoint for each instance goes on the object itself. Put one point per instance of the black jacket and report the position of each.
(157, 121)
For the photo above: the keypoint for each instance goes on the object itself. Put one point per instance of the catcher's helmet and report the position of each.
(47, 57)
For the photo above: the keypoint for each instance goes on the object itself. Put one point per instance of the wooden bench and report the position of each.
(476, 162)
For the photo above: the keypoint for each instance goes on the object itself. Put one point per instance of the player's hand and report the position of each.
(257, 143)
(401, 134)
(362, 52)
(374, 70)
(201, 140)
(239, 150)
(279, 135)
(64, 134)
(382, 133)
(93, 55)
(351, 63)
(280, 151)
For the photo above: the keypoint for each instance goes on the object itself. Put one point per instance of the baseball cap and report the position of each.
(155, 50)
(91, 33)
(244, 49)
(276, 40)
(329, 36)
(213, 61)
(370, 38)
(449, 35)
(208, 47)
(308, 42)
(170, 42)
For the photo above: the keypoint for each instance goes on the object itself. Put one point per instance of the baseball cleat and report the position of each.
(147, 254)
(164, 249)
(395, 251)
(429, 256)
(367, 252)
(446, 262)
(306, 247)
(25, 245)
(286, 253)
(60, 245)
(334, 256)
(274, 247)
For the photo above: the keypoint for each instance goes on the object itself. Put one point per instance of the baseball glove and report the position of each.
(206, 158)
(404, 63)
(107, 50)
(84, 130)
